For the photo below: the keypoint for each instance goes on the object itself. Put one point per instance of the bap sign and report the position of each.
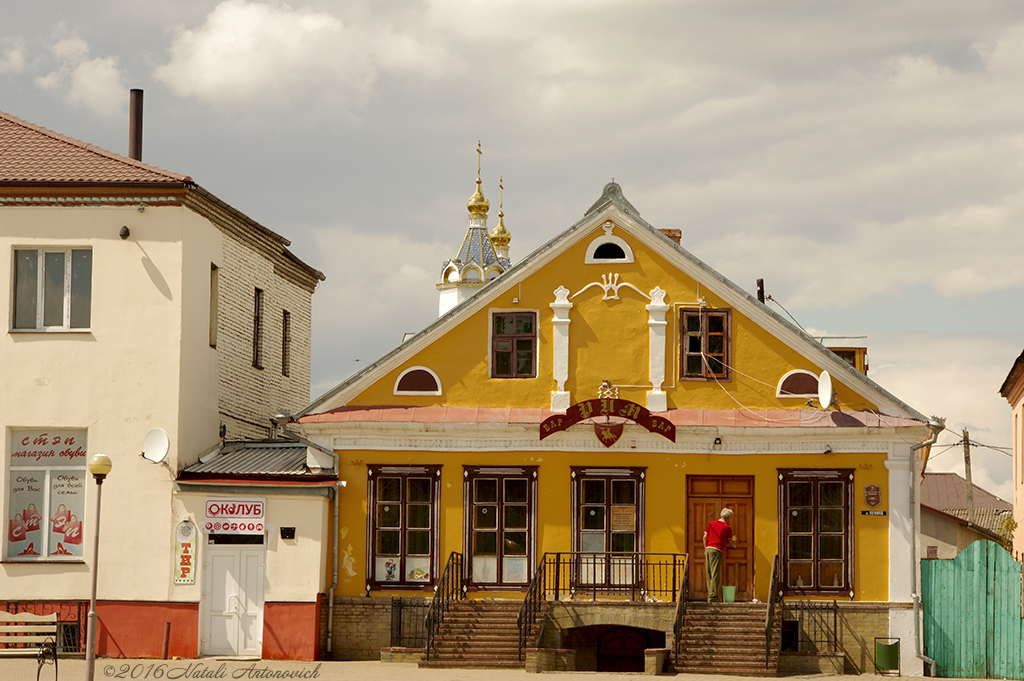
(234, 516)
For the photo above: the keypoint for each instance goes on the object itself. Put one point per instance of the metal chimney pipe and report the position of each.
(135, 125)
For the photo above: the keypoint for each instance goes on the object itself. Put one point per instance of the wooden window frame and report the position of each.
(375, 473)
(515, 339)
(705, 315)
(257, 328)
(286, 343)
(214, 303)
(472, 474)
(817, 476)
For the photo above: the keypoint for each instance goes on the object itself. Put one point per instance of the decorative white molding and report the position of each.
(657, 400)
(560, 348)
(610, 285)
(608, 238)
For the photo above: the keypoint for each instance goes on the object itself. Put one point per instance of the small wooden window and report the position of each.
(704, 343)
(214, 303)
(286, 343)
(257, 329)
(514, 345)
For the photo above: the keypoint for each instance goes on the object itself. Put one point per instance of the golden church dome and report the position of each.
(478, 203)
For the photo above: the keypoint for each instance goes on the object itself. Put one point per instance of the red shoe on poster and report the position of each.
(61, 551)
(30, 550)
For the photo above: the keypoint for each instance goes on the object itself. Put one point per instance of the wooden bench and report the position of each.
(26, 634)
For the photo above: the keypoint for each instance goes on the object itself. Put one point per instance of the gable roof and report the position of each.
(30, 153)
(947, 491)
(1014, 377)
(612, 205)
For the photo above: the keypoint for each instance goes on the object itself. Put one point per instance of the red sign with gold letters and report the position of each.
(609, 408)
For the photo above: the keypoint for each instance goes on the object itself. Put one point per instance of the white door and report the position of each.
(233, 600)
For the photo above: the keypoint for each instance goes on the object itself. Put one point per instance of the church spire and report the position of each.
(477, 262)
(500, 235)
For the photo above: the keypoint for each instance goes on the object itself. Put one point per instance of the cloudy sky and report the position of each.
(864, 158)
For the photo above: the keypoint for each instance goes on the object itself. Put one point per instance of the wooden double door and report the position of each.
(706, 496)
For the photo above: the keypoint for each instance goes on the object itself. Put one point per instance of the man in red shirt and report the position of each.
(717, 534)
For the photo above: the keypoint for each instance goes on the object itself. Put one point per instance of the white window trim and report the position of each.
(589, 259)
(43, 250)
(398, 380)
(778, 388)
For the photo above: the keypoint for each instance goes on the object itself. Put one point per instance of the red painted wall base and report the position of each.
(291, 631)
(134, 629)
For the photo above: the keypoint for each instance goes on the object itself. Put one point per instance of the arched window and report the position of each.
(798, 383)
(608, 248)
(417, 381)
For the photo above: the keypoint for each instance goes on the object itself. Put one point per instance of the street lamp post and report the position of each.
(99, 466)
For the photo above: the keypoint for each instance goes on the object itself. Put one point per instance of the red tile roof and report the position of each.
(948, 490)
(30, 153)
(773, 418)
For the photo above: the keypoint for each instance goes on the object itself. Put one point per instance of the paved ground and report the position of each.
(24, 669)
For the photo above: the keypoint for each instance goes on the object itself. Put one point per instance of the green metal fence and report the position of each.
(972, 613)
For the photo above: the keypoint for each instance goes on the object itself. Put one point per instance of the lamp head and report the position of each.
(99, 466)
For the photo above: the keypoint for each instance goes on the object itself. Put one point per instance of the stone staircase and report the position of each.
(482, 634)
(727, 638)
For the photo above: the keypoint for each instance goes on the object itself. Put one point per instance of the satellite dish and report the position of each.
(825, 392)
(155, 446)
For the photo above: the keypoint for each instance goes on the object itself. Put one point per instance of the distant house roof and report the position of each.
(32, 153)
(270, 459)
(987, 519)
(946, 491)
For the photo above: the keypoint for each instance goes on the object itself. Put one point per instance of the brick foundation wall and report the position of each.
(859, 624)
(362, 626)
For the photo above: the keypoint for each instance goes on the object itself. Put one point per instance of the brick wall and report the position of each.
(859, 624)
(362, 626)
(249, 396)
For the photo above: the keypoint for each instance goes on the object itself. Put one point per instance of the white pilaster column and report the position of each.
(560, 349)
(657, 400)
(902, 540)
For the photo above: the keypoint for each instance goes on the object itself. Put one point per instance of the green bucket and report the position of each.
(887, 655)
(729, 594)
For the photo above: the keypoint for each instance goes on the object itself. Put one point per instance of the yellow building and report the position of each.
(588, 410)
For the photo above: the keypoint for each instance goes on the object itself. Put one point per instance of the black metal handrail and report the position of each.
(449, 588)
(535, 596)
(817, 623)
(646, 577)
(684, 593)
(774, 598)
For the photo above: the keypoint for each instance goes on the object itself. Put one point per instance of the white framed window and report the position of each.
(608, 248)
(52, 289)
(798, 383)
(46, 482)
(417, 380)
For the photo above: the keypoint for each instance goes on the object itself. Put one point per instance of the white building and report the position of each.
(138, 300)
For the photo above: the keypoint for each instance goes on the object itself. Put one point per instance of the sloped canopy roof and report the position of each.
(32, 153)
(256, 459)
(613, 205)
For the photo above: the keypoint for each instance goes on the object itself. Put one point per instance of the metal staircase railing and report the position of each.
(449, 588)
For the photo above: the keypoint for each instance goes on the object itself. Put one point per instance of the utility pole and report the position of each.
(970, 485)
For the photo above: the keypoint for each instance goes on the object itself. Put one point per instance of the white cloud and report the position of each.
(12, 59)
(95, 84)
(956, 376)
(249, 52)
(379, 287)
